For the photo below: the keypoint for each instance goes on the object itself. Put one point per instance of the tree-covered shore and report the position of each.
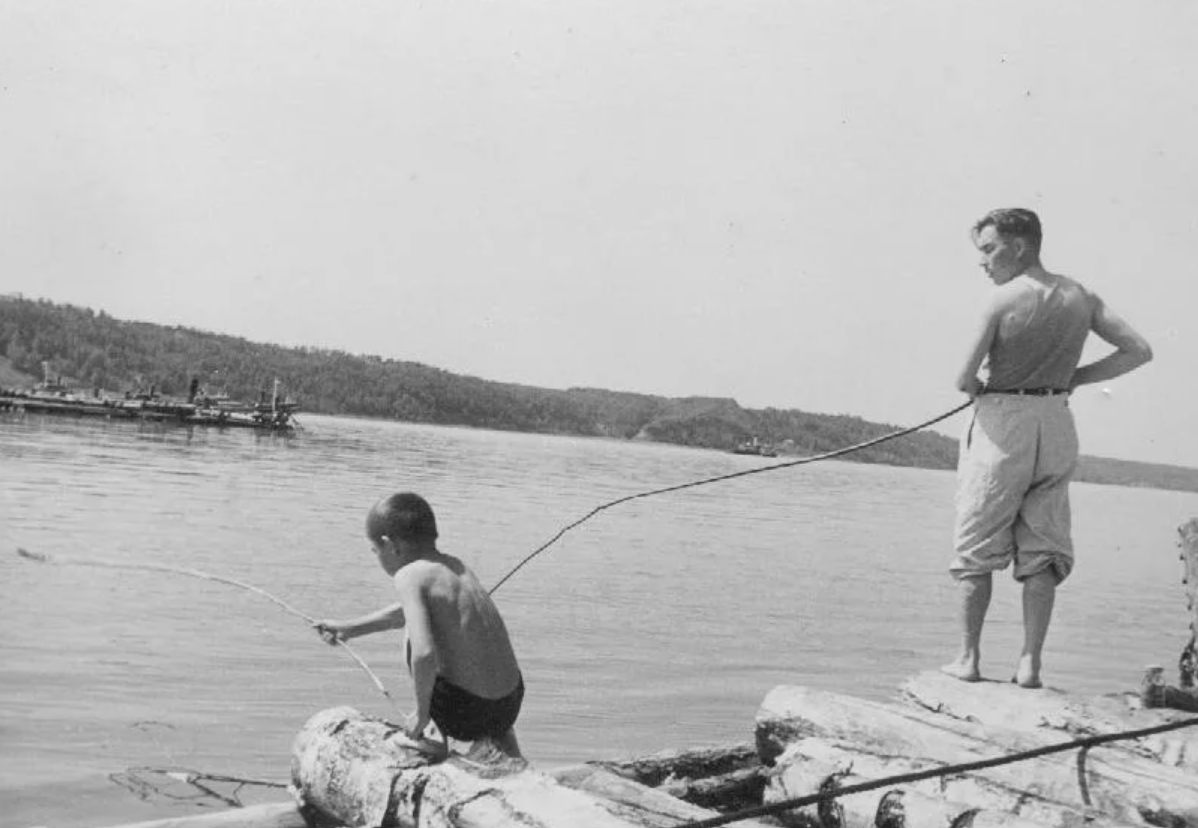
(93, 350)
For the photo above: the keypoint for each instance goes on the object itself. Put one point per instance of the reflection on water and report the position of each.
(661, 622)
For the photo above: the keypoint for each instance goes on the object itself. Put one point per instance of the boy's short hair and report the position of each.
(404, 516)
(1013, 221)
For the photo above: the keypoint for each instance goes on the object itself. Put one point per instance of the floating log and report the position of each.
(1155, 692)
(814, 764)
(356, 770)
(1189, 556)
(273, 815)
(640, 804)
(726, 777)
(999, 704)
(801, 776)
(883, 808)
(1122, 787)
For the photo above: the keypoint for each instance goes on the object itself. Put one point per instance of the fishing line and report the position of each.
(196, 573)
(775, 467)
(40, 557)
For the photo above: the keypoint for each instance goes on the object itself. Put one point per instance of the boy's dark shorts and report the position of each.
(461, 715)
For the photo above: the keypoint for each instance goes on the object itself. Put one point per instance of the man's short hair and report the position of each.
(1013, 221)
(403, 516)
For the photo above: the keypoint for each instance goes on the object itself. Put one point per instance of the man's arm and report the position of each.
(388, 618)
(967, 380)
(1131, 349)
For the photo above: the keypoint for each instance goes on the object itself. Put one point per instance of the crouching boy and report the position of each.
(464, 671)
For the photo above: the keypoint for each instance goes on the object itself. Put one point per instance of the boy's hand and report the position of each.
(410, 736)
(329, 632)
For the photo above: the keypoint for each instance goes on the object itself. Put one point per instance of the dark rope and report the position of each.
(827, 456)
(946, 770)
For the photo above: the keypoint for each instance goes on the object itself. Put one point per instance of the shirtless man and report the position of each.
(1019, 448)
(464, 671)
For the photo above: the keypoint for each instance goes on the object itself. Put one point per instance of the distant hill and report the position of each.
(94, 350)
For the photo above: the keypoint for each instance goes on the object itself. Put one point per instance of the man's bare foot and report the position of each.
(1027, 675)
(962, 669)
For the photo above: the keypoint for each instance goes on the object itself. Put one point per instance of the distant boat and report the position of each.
(52, 396)
(756, 447)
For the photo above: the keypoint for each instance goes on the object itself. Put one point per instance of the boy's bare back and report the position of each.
(472, 643)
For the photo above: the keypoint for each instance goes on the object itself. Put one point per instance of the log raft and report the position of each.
(926, 759)
(349, 770)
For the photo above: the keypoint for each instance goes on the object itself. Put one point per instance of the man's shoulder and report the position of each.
(1078, 292)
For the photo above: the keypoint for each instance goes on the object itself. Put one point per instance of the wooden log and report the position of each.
(351, 768)
(799, 775)
(901, 808)
(1155, 692)
(692, 763)
(1188, 663)
(727, 777)
(1002, 704)
(641, 804)
(939, 801)
(272, 815)
(1121, 787)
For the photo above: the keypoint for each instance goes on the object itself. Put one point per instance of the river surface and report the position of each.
(658, 623)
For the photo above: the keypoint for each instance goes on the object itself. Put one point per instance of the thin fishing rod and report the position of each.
(827, 456)
(40, 557)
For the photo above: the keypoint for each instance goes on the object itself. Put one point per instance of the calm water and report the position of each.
(659, 623)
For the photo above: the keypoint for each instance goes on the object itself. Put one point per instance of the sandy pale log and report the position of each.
(807, 763)
(639, 803)
(1003, 705)
(1120, 786)
(1188, 663)
(355, 769)
(273, 815)
(800, 776)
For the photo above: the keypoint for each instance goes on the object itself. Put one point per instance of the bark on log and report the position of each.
(344, 765)
(692, 763)
(726, 778)
(273, 815)
(799, 776)
(641, 804)
(1188, 664)
(1122, 787)
(801, 769)
(1005, 705)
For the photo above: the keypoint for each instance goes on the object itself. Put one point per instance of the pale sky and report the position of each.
(761, 200)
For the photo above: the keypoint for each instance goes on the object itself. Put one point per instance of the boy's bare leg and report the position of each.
(1039, 595)
(975, 600)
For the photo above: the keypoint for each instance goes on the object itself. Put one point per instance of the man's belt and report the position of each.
(1028, 392)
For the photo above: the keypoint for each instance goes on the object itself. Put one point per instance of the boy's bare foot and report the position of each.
(962, 669)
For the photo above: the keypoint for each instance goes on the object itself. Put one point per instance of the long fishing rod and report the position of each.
(775, 467)
(196, 573)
